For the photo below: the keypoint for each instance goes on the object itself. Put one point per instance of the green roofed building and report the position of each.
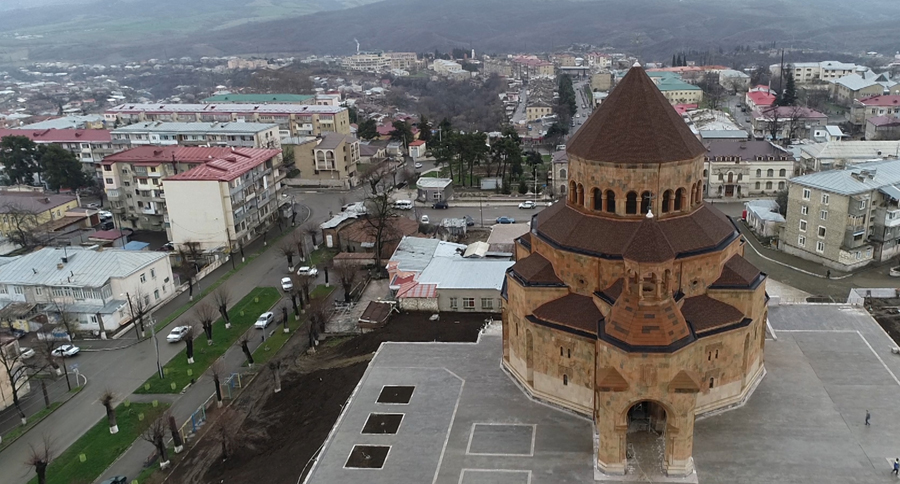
(262, 98)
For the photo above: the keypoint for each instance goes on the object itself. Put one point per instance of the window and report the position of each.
(109, 181)
(156, 294)
(862, 204)
(820, 246)
(781, 185)
(3, 289)
(19, 289)
(782, 172)
(565, 379)
(825, 198)
(758, 173)
(803, 225)
(453, 303)
(153, 273)
(38, 290)
(487, 303)
(770, 173)
(143, 277)
(804, 210)
(757, 186)
(806, 193)
(821, 231)
(712, 382)
(801, 241)
(823, 214)
(147, 300)
(768, 185)
(107, 167)
(468, 303)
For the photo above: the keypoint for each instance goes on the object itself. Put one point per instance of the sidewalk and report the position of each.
(33, 401)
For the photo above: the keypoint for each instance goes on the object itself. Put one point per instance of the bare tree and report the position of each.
(348, 273)
(304, 282)
(65, 318)
(297, 239)
(156, 435)
(16, 372)
(187, 270)
(222, 298)
(313, 230)
(177, 441)
(226, 439)
(21, 225)
(39, 458)
(206, 314)
(319, 314)
(276, 366)
(218, 371)
(139, 306)
(379, 222)
(107, 399)
(288, 250)
(245, 347)
(188, 339)
(284, 318)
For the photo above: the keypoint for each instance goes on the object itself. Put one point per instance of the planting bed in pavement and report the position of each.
(99, 447)
(279, 433)
(243, 315)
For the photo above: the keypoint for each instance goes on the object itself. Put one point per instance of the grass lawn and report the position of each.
(321, 291)
(99, 447)
(321, 256)
(243, 315)
(267, 350)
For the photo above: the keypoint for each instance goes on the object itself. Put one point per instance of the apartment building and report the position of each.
(864, 109)
(331, 160)
(32, 209)
(863, 85)
(90, 146)
(790, 122)
(815, 72)
(253, 98)
(227, 201)
(367, 61)
(675, 89)
(736, 169)
(845, 219)
(450, 69)
(160, 133)
(500, 67)
(90, 284)
(134, 179)
(292, 119)
(532, 66)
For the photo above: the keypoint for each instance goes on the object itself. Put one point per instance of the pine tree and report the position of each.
(789, 98)
(674, 60)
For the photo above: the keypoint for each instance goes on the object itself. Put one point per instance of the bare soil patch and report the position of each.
(887, 312)
(272, 437)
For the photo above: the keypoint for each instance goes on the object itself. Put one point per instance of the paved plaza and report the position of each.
(466, 422)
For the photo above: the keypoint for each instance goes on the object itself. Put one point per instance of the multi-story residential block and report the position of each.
(675, 89)
(261, 98)
(292, 119)
(403, 60)
(863, 85)
(814, 72)
(90, 284)
(839, 154)
(238, 135)
(532, 66)
(789, 122)
(331, 160)
(30, 209)
(883, 128)
(88, 145)
(602, 81)
(134, 179)
(88, 121)
(863, 109)
(226, 201)
(598, 59)
(736, 169)
(845, 219)
(450, 69)
(537, 110)
(367, 61)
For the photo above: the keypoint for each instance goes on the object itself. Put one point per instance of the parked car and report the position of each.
(177, 334)
(116, 480)
(287, 285)
(425, 219)
(104, 215)
(66, 350)
(469, 221)
(264, 320)
(418, 165)
(403, 204)
(506, 220)
(25, 352)
(308, 271)
(93, 205)
(527, 204)
(440, 205)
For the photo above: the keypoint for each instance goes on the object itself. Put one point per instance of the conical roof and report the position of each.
(635, 124)
(649, 244)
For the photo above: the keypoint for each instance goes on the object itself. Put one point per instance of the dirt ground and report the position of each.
(272, 437)
(887, 312)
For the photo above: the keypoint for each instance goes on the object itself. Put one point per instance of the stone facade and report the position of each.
(615, 300)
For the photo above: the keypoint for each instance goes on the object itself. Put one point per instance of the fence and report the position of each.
(229, 389)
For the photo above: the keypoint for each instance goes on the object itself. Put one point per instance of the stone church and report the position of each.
(632, 302)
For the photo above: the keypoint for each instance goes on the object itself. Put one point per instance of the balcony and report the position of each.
(855, 236)
(888, 217)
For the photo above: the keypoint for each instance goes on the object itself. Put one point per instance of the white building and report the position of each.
(87, 283)
(159, 133)
(813, 72)
(763, 218)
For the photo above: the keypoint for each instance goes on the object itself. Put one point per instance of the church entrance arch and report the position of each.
(645, 450)
(529, 358)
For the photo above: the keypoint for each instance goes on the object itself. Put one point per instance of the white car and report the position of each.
(66, 350)
(527, 204)
(287, 285)
(425, 219)
(264, 320)
(418, 165)
(177, 334)
(308, 271)
(25, 352)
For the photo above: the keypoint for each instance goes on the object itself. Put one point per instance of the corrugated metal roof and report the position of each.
(851, 150)
(886, 173)
(85, 268)
(427, 182)
(413, 253)
(465, 273)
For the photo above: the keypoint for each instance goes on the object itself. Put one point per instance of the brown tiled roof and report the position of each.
(684, 382)
(610, 380)
(536, 269)
(614, 290)
(649, 243)
(705, 228)
(635, 124)
(705, 313)
(526, 239)
(573, 310)
(637, 325)
(737, 272)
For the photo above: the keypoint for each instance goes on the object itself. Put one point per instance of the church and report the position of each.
(632, 302)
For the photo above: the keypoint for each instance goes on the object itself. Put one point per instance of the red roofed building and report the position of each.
(756, 98)
(88, 145)
(200, 194)
(871, 107)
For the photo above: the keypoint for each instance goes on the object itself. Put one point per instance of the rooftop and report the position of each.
(32, 202)
(66, 122)
(414, 253)
(851, 150)
(884, 121)
(428, 182)
(225, 108)
(85, 267)
(234, 161)
(890, 100)
(457, 273)
(60, 135)
(228, 167)
(194, 128)
(882, 173)
(258, 98)
(332, 140)
(746, 150)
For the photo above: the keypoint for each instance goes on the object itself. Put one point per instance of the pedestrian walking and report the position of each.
(896, 470)
(868, 416)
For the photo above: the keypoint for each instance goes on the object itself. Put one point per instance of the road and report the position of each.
(124, 370)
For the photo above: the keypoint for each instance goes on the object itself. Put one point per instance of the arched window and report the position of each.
(562, 173)
(631, 203)
(740, 176)
(758, 173)
(770, 173)
(580, 200)
(610, 201)
(595, 198)
(721, 177)
(782, 172)
(698, 195)
(667, 201)
(572, 192)
(645, 202)
(679, 199)
(757, 185)
(781, 185)
(704, 173)
(768, 185)
(566, 379)
(730, 177)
